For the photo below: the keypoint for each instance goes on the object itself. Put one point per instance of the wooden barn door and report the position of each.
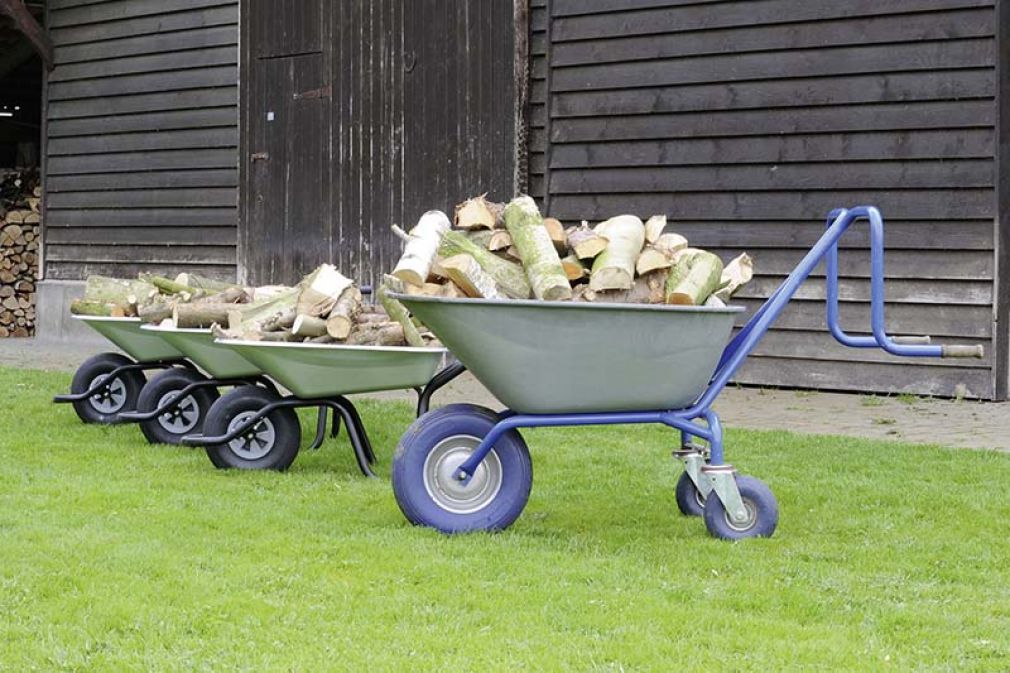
(358, 115)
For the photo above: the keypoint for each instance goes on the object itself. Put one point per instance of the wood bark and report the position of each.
(398, 312)
(468, 275)
(477, 213)
(695, 275)
(540, 258)
(614, 268)
(308, 326)
(200, 315)
(508, 276)
(421, 247)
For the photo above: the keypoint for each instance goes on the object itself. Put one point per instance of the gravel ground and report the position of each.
(969, 424)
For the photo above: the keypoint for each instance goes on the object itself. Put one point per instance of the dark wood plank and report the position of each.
(134, 217)
(226, 116)
(145, 198)
(148, 63)
(136, 142)
(897, 290)
(929, 144)
(939, 204)
(930, 56)
(285, 27)
(966, 23)
(821, 347)
(148, 234)
(201, 78)
(1001, 338)
(180, 40)
(181, 159)
(964, 173)
(165, 253)
(127, 269)
(224, 96)
(827, 119)
(864, 377)
(742, 13)
(839, 90)
(225, 14)
(116, 11)
(924, 265)
(164, 179)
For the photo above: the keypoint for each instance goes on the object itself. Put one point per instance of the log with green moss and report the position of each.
(547, 277)
(694, 276)
(510, 278)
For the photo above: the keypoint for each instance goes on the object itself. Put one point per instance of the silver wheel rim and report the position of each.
(181, 418)
(110, 399)
(448, 492)
(256, 442)
(748, 523)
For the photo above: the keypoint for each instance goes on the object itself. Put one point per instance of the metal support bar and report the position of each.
(111, 378)
(723, 483)
(437, 381)
(169, 405)
(694, 461)
(317, 441)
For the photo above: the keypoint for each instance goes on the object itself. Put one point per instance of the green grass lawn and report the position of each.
(117, 555)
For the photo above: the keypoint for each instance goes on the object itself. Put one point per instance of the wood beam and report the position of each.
(25, 22)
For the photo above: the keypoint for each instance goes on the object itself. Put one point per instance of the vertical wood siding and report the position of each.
(410, 117)
(142, 135)
(746, 122)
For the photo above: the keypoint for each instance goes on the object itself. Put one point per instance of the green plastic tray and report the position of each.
(199, 346)
(141, 345)
(326, 370)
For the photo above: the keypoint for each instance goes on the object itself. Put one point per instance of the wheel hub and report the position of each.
(451, 494)
(748, 522)
(109, 399)
(254, 443)
(181, 418)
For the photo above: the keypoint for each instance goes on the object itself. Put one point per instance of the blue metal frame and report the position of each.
(686, 420)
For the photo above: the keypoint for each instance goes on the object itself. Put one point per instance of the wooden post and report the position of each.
(30, 28)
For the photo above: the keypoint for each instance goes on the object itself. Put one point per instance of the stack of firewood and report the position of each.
(19, 244)
(325, 307)
(499, 251)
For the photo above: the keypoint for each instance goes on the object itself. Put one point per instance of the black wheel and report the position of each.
(184, 419)
(121, 395)
(690, 501)
(426, 461)
(271, 444)
(762, 512)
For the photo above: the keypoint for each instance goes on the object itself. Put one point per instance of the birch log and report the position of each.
(200, 315)
(421, 248)
(468, 275)
(540, 257)
(670, 244)
(736, 274)
(654, 227)
(308, 326)
(399, 313)
(585, 242)
(341, 318)
(477, 213)
(321, 290)
(614, 268)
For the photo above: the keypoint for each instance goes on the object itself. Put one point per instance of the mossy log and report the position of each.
(695, 275)
(508, 276)
(540, 258)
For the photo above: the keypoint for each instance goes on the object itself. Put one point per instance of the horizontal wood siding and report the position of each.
(142, 135)
(747, 121)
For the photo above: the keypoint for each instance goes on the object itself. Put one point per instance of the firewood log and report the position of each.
(500, 240)
(556, 231)
(421, 247)
(650, 260)
(694, 276)
(477, 213)
(586, 243)
(308, 326)
(341, 317)
(377, 334)
(399, 312)
(320, 291)
(208, 285)
(670, 244)
(468, 275)
(654, 227)
(83, 307)
(509, 277)
(736, 274)
(540, 258)
(574, 268)
(200, 315)
(614, 268)
(155, 312)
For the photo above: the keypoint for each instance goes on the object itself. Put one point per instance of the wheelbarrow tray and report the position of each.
(542, 357)
(313, 371)
(200, 347)
(126, 334)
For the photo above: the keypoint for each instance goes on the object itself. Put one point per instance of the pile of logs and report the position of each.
(325, 307)
(499, 251)
(19, 243)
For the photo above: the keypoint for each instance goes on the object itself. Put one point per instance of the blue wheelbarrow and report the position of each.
(464, 467)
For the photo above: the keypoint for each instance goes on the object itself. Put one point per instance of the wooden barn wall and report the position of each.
(747, 121)
(142, 133)
(392, 108)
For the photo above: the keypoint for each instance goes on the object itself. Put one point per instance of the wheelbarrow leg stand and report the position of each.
(356, 434)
